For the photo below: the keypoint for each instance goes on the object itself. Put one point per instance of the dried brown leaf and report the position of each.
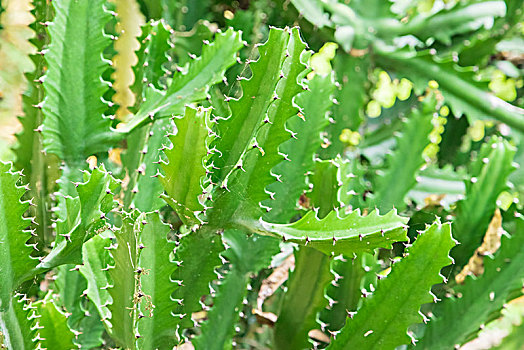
(490, 245)
(275, 280)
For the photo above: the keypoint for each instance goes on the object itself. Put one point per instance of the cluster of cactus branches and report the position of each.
(157, 224)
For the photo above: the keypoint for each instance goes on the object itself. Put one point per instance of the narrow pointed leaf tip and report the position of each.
(339, 235)
(399, 296)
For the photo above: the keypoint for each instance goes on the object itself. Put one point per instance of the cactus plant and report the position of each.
(352, 139)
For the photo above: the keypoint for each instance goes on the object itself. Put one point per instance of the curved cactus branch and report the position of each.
(249, 141)
(480, 298)
(399, 296)
(74, 125)
(489, 176)
(17, 324)
(15, 254)
(337, 235)
(80, 218)
(403, 165)
(52, 329)
(185, 171)
(247, 255)
(156, 324)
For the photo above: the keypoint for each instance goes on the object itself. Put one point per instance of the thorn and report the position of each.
(39, 105)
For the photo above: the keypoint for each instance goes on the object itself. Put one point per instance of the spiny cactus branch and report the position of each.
(336, 234)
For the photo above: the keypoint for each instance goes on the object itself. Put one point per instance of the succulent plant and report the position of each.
(157, 223)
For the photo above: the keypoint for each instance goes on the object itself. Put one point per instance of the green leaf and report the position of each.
(351, 175)
(306, 290)
(97, 262)
(248, 113)
(303, 300)
(345, 292)
(485, 41)
(152, 57)
(249, 140)
(363, 16)
(83, 318)
(184, 179)
(157, 327)
(399, 296)
(74, 125)
(17, 324)
(218, 330)
(336, 184)
(379, 132)
(124, 289)
(80, 218)
(489, 176)
(338, 235)
(460, 90)
(217, 99)
(184, 14)
(142, 162)
(173, 287)
(373, 21)
(402, 166)
(15, 254)
(189, 85)
(187, 44)
(458, 318)
(28, 146)
(197, 256)
(326, 187)
(248, 255)
(53, 331)
(300, 151)
(39, 169)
